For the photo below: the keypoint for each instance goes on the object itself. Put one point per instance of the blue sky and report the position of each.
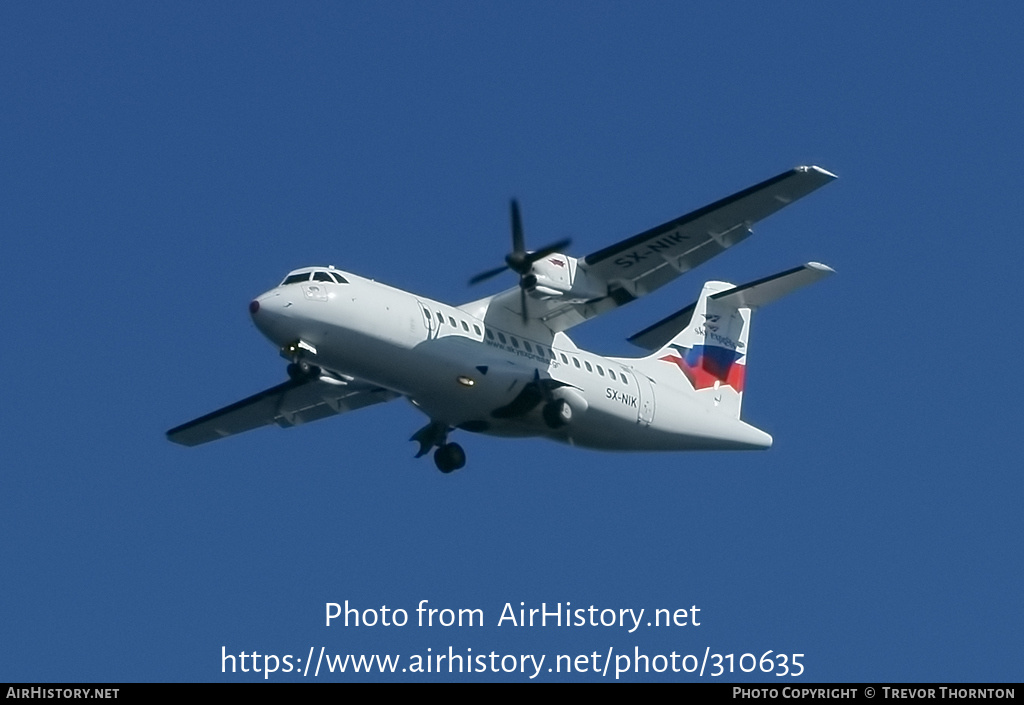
(164, 163)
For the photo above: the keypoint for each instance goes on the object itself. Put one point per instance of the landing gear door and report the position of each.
(645, 410)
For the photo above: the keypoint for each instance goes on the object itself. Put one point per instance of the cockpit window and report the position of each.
(317, 275)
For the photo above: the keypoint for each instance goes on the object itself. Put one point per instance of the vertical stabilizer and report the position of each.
(711, 352)
(706, 344)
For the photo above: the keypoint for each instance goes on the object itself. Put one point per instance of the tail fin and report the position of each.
(707, 342)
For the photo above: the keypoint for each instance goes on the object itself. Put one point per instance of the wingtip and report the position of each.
(819, 170)
(176, 439)
(818, 266)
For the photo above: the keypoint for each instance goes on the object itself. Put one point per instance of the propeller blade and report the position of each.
(533, 393)
(525, 402)
(545, 251)
(488, 274)
(519, 260)
(517, 229)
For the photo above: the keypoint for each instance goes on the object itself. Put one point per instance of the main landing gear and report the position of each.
(448, 457)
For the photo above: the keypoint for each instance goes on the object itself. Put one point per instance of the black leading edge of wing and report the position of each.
(801, 180)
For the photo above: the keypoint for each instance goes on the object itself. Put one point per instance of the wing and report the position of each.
(646, 261)
(638, 265)
(287, 404)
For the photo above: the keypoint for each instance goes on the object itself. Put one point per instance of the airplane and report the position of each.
(504, 365)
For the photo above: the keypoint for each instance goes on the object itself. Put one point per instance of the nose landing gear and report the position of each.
(300, 368)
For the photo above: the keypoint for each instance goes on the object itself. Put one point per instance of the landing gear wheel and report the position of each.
(449, 457)
(303, 369)
(557, 413)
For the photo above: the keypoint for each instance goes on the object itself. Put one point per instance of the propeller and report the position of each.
(519, 260)
(532, 394)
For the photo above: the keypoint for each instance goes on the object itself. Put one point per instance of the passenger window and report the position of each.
(526, 343)
(565, 360)
(440, 318)
(600, 370)
(501, 337)
(452, 321)
(589, 368)
(490, 333)
(576, 362)
(515, 342)
(464, 326)
(476, 328)
(611, 374)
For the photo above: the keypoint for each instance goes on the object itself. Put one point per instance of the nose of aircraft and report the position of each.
(267, 311)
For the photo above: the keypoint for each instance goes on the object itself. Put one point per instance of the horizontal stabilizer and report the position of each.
(764, 291)
(752, 295)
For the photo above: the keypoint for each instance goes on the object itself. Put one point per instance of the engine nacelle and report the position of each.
(565, 408)
(557, 276)
(576, 400)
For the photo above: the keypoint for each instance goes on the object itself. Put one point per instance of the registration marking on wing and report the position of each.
(653, 249)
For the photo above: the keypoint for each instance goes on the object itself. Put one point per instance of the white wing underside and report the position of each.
(288, 404)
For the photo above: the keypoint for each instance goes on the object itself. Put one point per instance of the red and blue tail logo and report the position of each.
(704, 365)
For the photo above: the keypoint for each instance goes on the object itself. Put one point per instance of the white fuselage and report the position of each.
(459, 368)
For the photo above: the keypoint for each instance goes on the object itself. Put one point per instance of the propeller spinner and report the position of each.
(519, 260)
